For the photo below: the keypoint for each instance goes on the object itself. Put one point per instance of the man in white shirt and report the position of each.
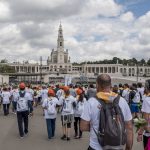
(23, 108)
(44, 93)
(126, 92)
(90, 116)
(141, 89)
(31, 96)
(14, 94)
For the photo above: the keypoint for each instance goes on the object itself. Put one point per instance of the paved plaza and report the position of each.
(37, 138)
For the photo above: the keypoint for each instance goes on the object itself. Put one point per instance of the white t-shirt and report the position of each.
(91, 113)
(125, 94)
(141, 90)
(22, 102)
(67, 105)
(137, 97)
(15, 94)
(146, 105)
(6, 97)
(59, 93)
(50, 101)
(79, 108)
(31, 93)
(44, 94)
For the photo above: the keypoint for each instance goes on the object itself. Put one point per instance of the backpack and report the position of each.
(21, 103)
(79, 107)
(67, 106)
(59, 94)
(111, 133)
(137, 97)
(51, 110)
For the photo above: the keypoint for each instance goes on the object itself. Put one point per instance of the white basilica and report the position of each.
(59, 60)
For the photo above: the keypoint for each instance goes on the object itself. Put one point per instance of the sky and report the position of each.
(93, 29)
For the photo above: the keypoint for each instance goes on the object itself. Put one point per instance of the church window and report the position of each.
(60, 43)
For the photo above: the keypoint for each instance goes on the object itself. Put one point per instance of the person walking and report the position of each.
(145, 130)
(23, 108)
(126, 92)
(68, 104)
(6, 100)
(50, 112)
(31, 97)
(43, 93)
(91, 92)
(15, 92)
(134, 101)
(107, 130)
(80, 102)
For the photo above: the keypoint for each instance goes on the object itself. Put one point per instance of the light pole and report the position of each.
(40, 70)
(137, 72)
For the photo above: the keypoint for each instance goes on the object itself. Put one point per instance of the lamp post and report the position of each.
(40, 70)
(137, 72)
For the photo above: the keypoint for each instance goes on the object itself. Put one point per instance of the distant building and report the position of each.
(59, 67)
(4, 79)
(59, 60)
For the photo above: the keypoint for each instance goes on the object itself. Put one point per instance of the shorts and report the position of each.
(134, 108)
(67, 120)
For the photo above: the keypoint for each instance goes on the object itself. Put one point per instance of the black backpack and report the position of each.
(111, 133)
(120, 92)
(35, 93)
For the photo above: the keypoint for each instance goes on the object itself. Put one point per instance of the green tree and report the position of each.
(114, 60)
(6, 69)
(142, 61)
(4, 61)
(148, 62)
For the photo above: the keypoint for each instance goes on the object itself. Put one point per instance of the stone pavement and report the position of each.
(37, 138)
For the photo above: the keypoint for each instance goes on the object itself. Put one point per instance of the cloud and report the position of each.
(4, 11)
(107, 8)
(93, 30)
(127, 17)
(37, 10)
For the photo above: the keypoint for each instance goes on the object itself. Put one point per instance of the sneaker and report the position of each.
(80, 137)
(30, 115)
(21, 137)
(53, 137)
(77, 137)
(26, 134)
(68, 138)
(63, 137)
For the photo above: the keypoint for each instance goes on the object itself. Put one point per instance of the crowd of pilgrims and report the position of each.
(67, 100)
